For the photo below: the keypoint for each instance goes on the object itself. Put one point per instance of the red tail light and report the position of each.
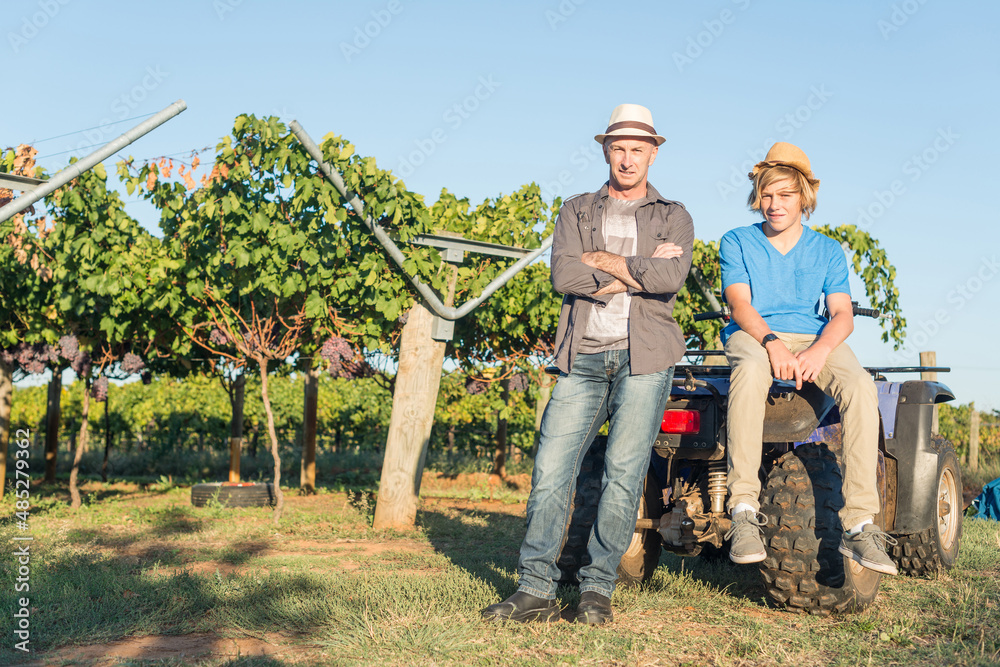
(681, 421)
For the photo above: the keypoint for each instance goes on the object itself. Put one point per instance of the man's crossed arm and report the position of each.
(616, 266)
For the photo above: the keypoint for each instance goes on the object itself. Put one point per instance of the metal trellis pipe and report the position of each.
(63, 177)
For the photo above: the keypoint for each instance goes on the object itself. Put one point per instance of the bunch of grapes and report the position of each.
(519, 382)
(132, 363)
(33, 359)
(79, 360)
(7, 355)
(218, 338)
(475, 387)
(99, 392)
(336, 351)
(81, 364)
(69, 348)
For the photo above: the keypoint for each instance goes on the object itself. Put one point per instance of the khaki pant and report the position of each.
(844, 379)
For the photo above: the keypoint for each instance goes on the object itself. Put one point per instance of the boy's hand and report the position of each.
(784, 364)
(811, 361)
(668, 251)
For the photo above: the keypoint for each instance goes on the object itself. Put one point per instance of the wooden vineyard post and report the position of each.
(236, 428)
(930, 359)
(417, 382)
(973, 437)
(6, 397)
(307, 478)
(52, 415)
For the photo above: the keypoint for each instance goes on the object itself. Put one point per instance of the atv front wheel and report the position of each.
(936, 548)
(804, 571)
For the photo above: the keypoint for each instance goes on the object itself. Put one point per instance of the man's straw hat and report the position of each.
(630, 120)
(786, 155)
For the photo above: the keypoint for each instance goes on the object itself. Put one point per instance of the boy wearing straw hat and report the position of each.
(776, 275)
(619, 256)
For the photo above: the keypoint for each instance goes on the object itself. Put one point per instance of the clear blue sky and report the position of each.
(894, 102)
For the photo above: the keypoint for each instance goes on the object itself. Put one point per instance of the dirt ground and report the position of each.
(186, 649)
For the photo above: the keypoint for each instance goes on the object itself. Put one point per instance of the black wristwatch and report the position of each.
(767, 339)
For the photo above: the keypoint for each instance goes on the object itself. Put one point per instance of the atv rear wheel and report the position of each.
(936, 548)
(803, 570)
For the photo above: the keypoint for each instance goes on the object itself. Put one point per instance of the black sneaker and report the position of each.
(594, 609)
(522, 607)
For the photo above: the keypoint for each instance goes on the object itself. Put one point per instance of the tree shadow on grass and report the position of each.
(88, 598)
(240, 553)
(485, 544)
(716, 573)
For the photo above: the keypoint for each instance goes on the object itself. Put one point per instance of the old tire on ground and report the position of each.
(643, 553)
(233, 495)
(804, 571)
(936, 548)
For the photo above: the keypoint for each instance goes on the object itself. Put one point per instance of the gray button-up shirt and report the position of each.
(655, 340)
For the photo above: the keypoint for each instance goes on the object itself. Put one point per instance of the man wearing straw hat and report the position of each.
(776, 276)
(619, 257)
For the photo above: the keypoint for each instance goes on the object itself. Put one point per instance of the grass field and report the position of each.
(140, 577)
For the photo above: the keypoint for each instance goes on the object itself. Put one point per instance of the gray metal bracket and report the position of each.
(18, 182)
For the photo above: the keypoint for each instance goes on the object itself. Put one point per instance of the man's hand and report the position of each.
(784, 364)
(812, 359)
(667, 251)
(614, 287)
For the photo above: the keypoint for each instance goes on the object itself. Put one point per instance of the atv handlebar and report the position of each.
(726, 313)
(866, 312)
(713, 314)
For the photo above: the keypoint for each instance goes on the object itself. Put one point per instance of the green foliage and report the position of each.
(691, 298)
(878, 275)
(251, 244)
(104, 270)
(519, 320)
(173, 417)
(468, 423)
(954, 422)
(26, 315)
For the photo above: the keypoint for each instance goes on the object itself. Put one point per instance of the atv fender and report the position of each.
(911, 446)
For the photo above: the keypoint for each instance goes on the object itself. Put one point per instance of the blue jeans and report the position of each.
(597, 389)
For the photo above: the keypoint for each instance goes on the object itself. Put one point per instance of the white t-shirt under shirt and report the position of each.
(607, 327)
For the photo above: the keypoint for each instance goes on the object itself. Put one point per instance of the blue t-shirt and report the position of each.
(787, 290)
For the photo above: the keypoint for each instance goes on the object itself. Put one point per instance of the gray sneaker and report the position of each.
(746, 545)
(867, 548)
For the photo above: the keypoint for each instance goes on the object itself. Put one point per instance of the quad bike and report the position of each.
(683, 505)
